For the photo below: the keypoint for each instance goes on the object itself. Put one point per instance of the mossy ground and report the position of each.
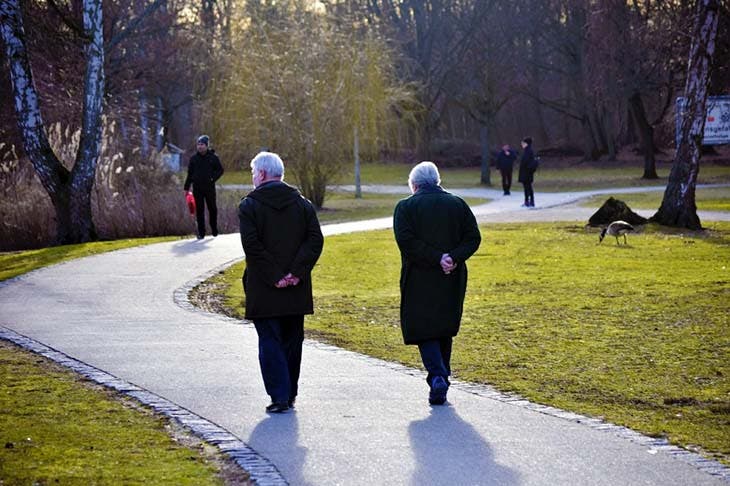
(637, 334)
(57, 429)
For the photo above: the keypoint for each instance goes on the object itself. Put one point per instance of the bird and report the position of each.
(617, 228)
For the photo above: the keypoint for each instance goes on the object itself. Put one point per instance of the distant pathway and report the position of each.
(551, 206)
(359, 420)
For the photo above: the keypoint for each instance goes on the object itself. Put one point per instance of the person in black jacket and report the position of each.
(282, 241)
(528, 166)
(204, 169)
(505, 161)
(436, 233)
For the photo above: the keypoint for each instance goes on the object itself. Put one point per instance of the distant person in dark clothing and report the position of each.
(282, 241)
(436, 233)
(505, 162)
(528, 166)
(204, 169)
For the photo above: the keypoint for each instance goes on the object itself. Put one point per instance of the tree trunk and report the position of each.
(678, 207)
(70, 192)
(590, 148)
(646, 135)
(484, 142)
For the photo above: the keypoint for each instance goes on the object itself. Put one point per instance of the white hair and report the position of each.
(424, 174)
(270, 163)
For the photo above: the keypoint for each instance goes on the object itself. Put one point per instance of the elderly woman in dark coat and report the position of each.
(436, 233)
(528, 166)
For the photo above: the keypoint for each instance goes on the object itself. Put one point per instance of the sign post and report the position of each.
(717, 124)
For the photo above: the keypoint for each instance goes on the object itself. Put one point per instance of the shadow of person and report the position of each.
(447, 450)
(276, 438)
(185, 247)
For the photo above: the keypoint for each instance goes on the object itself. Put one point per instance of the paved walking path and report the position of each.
(359, 421)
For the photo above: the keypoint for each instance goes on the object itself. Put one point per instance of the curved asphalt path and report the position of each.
(358, 420)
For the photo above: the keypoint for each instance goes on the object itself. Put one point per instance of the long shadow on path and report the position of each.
(280, 434)
(448, 450)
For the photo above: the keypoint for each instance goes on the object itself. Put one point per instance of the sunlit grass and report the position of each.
(16, 263)
(707, 199)
(58, 430)
(548, 178)
(637, 334)
(343, 206)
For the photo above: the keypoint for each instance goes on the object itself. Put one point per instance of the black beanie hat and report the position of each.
(204, 139)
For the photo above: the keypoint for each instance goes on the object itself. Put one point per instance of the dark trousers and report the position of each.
(506, 179)
(529, 194)
(205, 197)
(436, 357)
(280, 355)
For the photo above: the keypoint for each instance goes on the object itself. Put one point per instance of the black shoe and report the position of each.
(439, 388)
(200, 237)
(292, 401)
(277, 407)
(215, 233)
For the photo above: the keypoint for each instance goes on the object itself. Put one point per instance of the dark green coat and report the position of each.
(280, 234)
(427, 225)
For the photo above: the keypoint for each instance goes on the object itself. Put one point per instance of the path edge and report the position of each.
(261, 470)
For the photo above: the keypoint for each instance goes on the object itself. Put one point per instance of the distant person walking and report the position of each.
(204, 169)
(282, 241)
(505, 163)
(528, 166)
(436, 233)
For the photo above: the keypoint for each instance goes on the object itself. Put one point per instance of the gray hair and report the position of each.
(424, 174)
(270, 163)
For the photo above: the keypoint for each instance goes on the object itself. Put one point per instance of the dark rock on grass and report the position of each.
(614, 210)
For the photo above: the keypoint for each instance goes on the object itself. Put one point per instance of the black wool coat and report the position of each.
(505, 161)
(428, 224)
(280, 234)
(203, 171)
(527, 165)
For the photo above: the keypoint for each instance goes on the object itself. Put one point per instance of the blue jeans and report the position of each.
(436, 357)
(280, 355)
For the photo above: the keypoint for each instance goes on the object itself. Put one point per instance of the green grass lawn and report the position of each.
(638, 335)
(343, 206)
(550, 178)
(56, 428)
(707, 199)
(15, 263)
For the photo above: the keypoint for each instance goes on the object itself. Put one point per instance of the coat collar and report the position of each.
(428, 189)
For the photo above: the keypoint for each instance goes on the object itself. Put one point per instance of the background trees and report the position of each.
(443, 80)
(302, 84)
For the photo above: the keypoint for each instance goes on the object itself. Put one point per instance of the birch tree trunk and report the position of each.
(678, 206)
(70, 191)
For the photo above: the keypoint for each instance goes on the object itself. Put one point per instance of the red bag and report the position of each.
(191, 202)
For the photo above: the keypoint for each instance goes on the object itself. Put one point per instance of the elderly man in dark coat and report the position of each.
(436, 233)
(282, 241)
